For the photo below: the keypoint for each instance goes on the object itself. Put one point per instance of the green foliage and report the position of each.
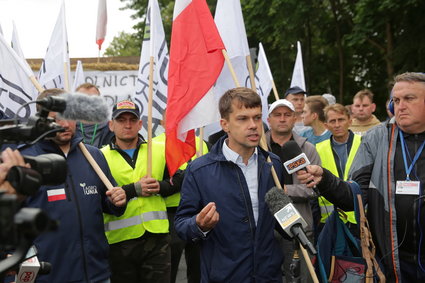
(347, 45)
(124, 44)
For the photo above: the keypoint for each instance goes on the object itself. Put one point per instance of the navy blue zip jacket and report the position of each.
(235, 250)
(78, 250)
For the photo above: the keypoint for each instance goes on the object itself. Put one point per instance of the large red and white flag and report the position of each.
(196, 60)
(55, 71)
(102, 19)
(298, 72)
(16, 88)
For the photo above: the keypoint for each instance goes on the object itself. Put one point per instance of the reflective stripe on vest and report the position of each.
(328, 161)
(135, 220)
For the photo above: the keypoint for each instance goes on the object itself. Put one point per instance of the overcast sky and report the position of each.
(35, 20)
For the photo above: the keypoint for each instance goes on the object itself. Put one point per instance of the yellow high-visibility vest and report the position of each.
(324, 149)
(142, 213)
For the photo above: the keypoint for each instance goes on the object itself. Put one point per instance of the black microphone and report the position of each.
(293, 157)
(289, 218)
(78, 107)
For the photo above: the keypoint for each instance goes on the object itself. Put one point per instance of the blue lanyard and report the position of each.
(415, 158)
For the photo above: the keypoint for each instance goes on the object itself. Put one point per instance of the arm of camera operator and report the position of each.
(9, 159)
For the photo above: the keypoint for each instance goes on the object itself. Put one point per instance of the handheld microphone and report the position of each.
(78, 107)
(296, 159)
(288, 217)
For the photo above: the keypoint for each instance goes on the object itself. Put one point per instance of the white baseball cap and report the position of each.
(281, 102)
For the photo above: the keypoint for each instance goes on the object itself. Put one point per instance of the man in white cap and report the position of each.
(282, 118)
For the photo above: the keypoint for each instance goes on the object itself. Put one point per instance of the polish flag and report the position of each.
(196, 60)
(54, 195)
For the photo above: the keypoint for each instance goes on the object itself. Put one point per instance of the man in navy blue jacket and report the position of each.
(78, 249)
(222, 199)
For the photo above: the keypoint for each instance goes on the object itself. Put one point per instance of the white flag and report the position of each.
(229, 20)
(1, 30)
(102, 20)
(264, 80)
(155, 45)
(79, 77)
(55, 71)
(16, 45)
(298, 73)
(16, 88)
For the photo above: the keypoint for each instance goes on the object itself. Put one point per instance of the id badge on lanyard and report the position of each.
(408, 187)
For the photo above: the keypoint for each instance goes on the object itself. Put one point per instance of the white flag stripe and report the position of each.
(160, 75)
(52, 71)
(229, 20)
(16, 87)
(298, 73)
(179, 6)
(55, 192)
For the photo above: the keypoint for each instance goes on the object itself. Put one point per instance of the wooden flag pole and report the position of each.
(95, 166)
(276, 95)
(251, 72)
(150, 103)
(232, 71)
(36, 84)
(66, 74)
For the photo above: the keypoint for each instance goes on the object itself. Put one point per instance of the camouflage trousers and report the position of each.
(144, 260)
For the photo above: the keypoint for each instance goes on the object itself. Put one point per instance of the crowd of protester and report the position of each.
(215, 203)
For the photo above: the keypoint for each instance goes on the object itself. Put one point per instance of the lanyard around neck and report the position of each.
(404, 149)
(93, 136)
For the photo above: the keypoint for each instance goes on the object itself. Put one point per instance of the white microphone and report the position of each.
(288, 217)
(78, 107)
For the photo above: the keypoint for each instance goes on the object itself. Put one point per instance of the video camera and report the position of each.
(19, 227)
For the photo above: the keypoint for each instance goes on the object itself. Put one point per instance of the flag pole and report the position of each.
(36, 84)
(229, 64)
(276, 95)
(251, 72)
(150, 103)
(66, 75)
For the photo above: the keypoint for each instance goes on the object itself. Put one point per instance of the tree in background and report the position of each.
(347, 44)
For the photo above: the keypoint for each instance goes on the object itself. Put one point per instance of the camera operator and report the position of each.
(9, 158)
(78, 249)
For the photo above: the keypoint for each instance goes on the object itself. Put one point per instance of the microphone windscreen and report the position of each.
(276, 199)
(85, 108)
(290, 150)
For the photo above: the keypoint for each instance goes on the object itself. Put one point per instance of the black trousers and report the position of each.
(144, 260)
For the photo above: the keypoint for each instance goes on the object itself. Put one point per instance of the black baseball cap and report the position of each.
(295, 90)
(125, 106)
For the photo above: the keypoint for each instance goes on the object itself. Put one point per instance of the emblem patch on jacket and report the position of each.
(56, 194)
(88, 190)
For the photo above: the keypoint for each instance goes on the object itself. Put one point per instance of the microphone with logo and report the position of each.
(291, 221)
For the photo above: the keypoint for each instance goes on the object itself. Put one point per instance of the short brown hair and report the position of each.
(316, 104)
(49, 92)
(244, 96)
(364, 93)
(338, 108)
(87, 86)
